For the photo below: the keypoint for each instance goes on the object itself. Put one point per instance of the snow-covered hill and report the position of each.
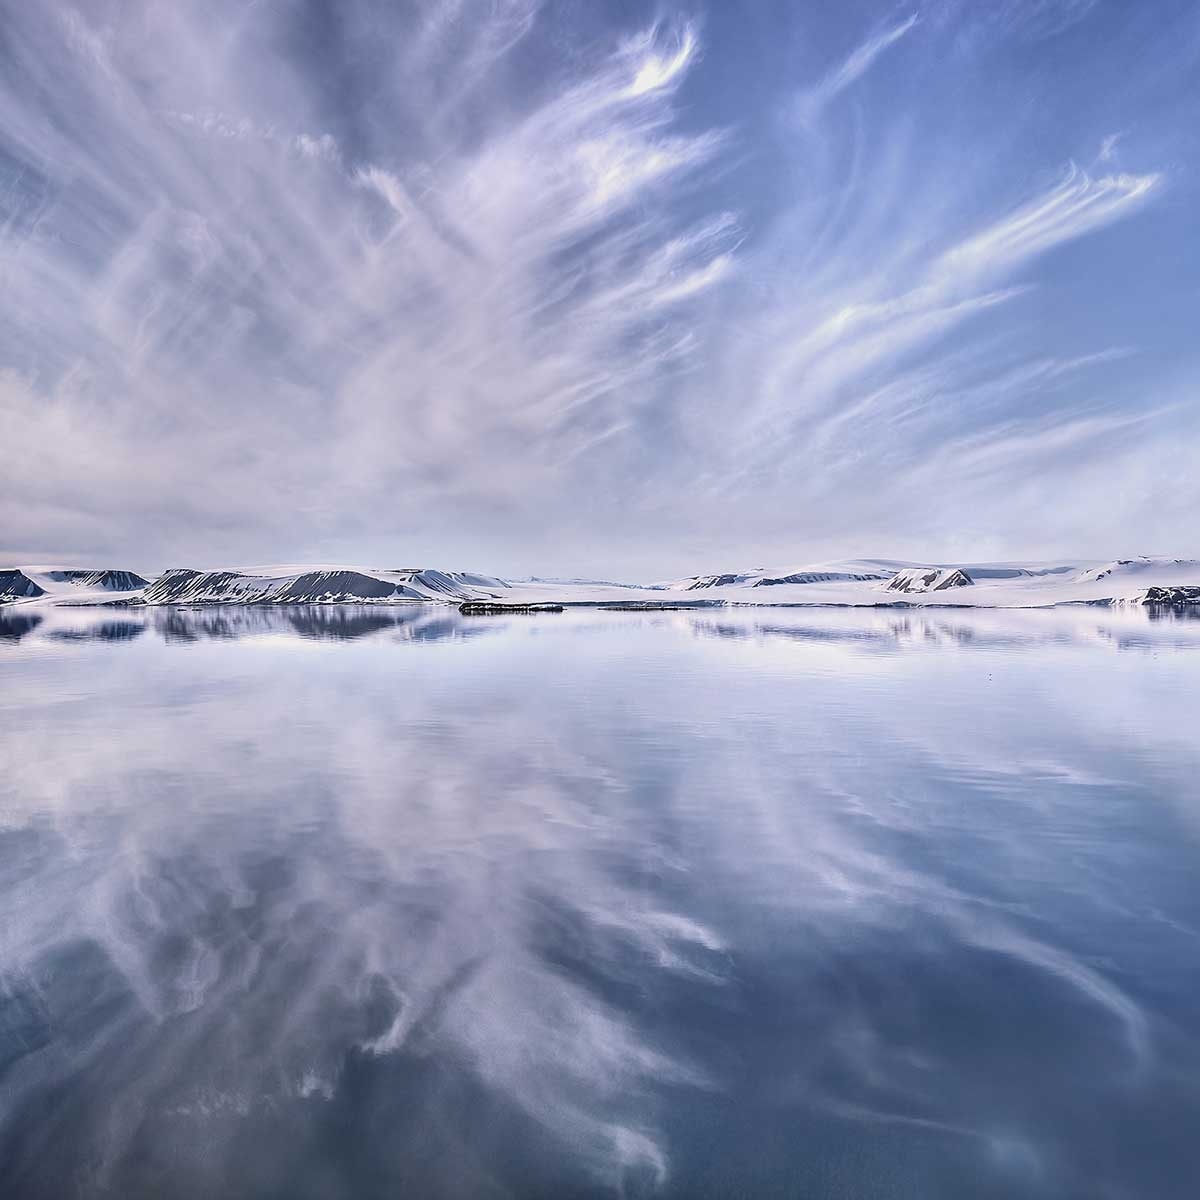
(914, 580)
(83, 585)
(284, 584)
(332, 585)
(1139, 568)
(879, 581)
(850, 582)
(108, 580)
(16, 585)
(867, 570)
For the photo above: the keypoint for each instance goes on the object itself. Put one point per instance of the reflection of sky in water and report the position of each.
(354, 902)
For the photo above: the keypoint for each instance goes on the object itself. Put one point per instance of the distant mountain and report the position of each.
(108, 580)
(1152, 581)
(16, 585)
(848, 571)
(928, 579)
(324, 586)
(1144, 564)
(817, 577)
(880, 582)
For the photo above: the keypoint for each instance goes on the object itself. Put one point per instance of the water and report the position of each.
(388, 902)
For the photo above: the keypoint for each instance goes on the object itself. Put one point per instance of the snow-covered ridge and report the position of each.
(852, 582)
(1131, 567)
(849, 571)
(16, 585)
(77, 585)
(877, 581)
(323, 586)
(108, 580)
(818, 577)
(928, 579)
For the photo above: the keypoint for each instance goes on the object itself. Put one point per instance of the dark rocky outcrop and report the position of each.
(16, 585)
(1176, 597)
(710, 581)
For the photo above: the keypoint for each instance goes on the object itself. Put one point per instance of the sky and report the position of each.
(619, 289)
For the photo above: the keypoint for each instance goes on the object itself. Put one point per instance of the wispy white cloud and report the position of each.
(457, 327)
(810, 103)
(1108, 148)
(1074, 207)
(494, 296)
(660, 68)
(1033, 19)
(829, 353)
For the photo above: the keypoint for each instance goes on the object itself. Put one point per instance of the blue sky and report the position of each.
(625, 289)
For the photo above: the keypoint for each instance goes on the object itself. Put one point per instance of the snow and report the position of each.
(859, 582)
(106, 579)
(913, 580)
(320, 585)
(84, 585)
(1123, 568)
(865, 582)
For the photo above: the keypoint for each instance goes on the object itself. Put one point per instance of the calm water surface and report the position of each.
(391, 903)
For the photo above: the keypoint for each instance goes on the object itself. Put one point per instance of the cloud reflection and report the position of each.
(529, 913)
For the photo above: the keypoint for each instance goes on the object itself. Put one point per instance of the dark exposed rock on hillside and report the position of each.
(16, 585)
(1174, 596)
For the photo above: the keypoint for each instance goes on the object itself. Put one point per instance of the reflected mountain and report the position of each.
(325, 624)
(742, 631)
(982, 630)
(105, 631)
(867, 630)
(14, 625)
(1173, 612)
(313, 622)
(418, 622)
